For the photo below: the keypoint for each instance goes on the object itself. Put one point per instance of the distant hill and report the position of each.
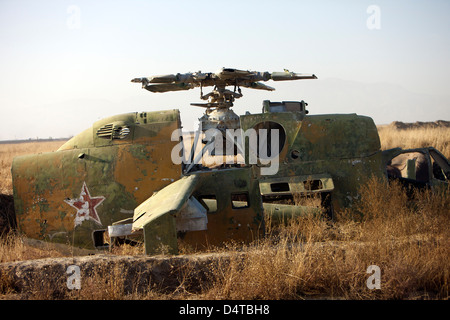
(31, 140)
(419, 124)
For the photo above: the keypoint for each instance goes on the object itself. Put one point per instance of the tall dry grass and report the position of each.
(10, 150)
(309, 258)
(14, 247)
(408, 240)
(439, 137)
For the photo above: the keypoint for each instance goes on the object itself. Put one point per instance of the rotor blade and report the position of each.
(204, 105)
(169, 87)
(229, 73)
(167, 78)
(256, 85)
(281, 76)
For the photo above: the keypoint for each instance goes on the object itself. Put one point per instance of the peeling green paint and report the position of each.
(140, 152)
(43, 183)
(62, 214)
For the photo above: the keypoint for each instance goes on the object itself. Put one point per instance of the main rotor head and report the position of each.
(219, 97)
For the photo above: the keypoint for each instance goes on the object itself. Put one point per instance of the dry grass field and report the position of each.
(10, 150)
(309, 258)
(439, 137)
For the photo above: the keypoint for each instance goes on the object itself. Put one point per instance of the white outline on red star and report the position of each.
(86, 206)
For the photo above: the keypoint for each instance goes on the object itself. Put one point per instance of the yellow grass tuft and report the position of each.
(10, 150)
(439, 138)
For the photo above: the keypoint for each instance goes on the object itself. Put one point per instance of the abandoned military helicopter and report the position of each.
(139, 175)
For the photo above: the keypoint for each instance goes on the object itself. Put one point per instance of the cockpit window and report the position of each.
(209, 202)
(240, 200)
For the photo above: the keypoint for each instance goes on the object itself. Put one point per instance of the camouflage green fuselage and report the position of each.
(100, 176)
(119, 174)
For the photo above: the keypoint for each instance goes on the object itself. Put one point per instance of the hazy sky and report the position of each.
(66, 64)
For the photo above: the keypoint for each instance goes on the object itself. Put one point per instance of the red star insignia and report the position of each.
(86, 206)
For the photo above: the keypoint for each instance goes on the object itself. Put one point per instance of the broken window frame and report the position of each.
(238, 206)
(438, 163)
(200, 199)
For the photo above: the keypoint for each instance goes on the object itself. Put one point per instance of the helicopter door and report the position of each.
(411, 167)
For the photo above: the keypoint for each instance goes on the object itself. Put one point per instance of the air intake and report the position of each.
(115, 130)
